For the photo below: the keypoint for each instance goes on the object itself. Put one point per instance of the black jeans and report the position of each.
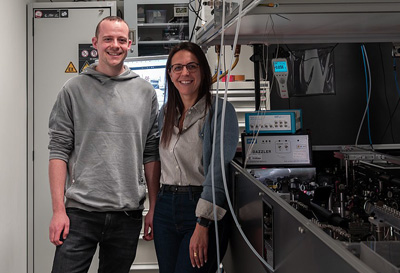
(117, 234)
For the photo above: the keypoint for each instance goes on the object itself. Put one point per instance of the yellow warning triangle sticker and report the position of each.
(71, 68)
(85, 65)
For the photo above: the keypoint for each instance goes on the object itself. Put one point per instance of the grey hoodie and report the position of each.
(105, 128)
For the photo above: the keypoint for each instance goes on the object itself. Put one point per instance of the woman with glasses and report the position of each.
(184, 227)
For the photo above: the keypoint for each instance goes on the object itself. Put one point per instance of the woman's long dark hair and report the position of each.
(174, 100)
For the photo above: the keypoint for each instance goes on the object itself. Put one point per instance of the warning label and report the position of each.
(71, 68)
(87, 56)
(85, 65)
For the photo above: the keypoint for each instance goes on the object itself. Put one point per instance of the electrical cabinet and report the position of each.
(157, 26)
(53, 57)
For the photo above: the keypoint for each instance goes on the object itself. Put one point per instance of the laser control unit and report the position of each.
(276, 150)
(274, 121)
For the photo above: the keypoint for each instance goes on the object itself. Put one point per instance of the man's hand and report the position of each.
(59, 228)
(152, 171)
(59, 225)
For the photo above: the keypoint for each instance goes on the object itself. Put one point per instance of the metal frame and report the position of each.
(299, 244)
(312, 21)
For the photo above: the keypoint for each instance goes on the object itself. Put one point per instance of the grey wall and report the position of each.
(13, 120)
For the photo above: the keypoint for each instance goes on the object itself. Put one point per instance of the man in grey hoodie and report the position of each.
(103, 129)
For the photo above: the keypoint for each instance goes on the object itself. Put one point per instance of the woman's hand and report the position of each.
(198, 246)
(148, 226)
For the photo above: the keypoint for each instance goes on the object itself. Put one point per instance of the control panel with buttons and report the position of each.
(274, 121)
(276, 150)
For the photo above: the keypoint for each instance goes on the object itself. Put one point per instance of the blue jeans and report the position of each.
(117, 234)
(174, 223)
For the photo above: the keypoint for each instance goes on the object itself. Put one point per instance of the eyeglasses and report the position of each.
(178, 68)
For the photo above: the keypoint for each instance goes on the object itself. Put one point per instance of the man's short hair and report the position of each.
(108, 18)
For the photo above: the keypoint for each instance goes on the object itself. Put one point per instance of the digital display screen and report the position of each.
(152, 69)
(280, 66)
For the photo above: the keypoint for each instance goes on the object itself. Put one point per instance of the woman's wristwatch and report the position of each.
(203, 222)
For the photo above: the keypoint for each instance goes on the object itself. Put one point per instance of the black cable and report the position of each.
(197, 16)
(257, 58)
(390, 119)
(386, 97)
(394, 111)
(119, 13)
(277, 86)
(191, 8)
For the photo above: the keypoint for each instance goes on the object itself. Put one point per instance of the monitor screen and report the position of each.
(280, 66)
(152, 69)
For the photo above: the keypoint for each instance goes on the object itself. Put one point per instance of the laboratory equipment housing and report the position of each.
(329, 203)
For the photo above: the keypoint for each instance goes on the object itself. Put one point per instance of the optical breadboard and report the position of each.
(276, 150)
(274, 121)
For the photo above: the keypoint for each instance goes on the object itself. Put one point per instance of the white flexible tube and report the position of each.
(222, 145)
